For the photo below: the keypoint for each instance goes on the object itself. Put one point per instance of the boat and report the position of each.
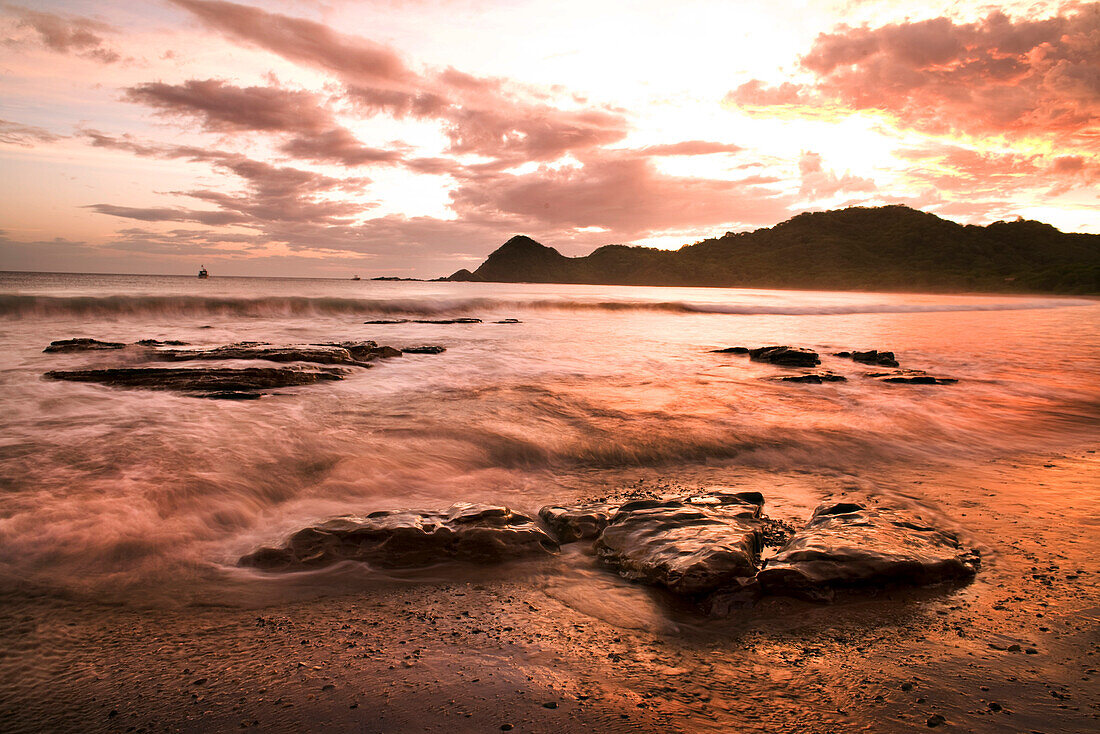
(202, 272)
(356, 277)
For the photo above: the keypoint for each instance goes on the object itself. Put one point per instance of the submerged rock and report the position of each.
(461, 320)
(82, 345)
(577, 522)
(690, 545)
(200, 379)
(365, 351)
(405, 539)
(318, 354)
(383, 322)
(785, 356)
(159, 343)
(873, 356)
(508, 321)
(731, 350)
(813, 378)
(911, 377)
(847, 544)
(425, 349)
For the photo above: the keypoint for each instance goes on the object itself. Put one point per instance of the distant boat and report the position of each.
(202, 272)
(356, 277)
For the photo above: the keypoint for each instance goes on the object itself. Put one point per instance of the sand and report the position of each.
(564, 646)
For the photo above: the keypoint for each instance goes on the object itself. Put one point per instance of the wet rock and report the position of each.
(738, 594)
(383, 322)
(232, 395)
(81, 345)
(731, 350)
(213, 380)
(577, 522)
(404, 539)
(872, 356)
(812, 378)
(318, 354)
(847, 544)
(690, 545)
(911, 377)
(462, 320)
(365, 351)
(508, 321)
(936, 720)
(159, 343)
(785, 356)
(425, 349)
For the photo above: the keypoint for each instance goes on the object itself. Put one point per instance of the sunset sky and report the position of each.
(412, 137)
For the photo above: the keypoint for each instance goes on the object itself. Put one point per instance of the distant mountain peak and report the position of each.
(522, 242)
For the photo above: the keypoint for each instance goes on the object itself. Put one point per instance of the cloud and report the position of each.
(995, 76)
(304, 41)
(221, 107)
(624, 193)
(482, 116)
(169, 214)
(818, 183)
(70, 35)
(14, 133)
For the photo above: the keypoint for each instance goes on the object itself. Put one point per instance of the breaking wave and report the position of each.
(32, 306)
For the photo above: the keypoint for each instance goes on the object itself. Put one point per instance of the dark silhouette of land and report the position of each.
(883, 248)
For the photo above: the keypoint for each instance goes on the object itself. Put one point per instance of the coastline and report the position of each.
(487, 648)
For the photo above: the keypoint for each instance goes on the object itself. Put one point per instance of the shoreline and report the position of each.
(484, 650)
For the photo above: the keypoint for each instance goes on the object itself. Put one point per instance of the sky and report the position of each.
(413, 137)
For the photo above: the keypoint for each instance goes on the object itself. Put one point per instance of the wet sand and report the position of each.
(564, 646)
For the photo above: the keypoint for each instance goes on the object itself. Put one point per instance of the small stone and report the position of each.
(550, 705)
(906, 686)
(1013, 648)
(994, 706)
(506, 727)
(936, 719)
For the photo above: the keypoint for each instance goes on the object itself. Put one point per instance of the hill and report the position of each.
(860, 248)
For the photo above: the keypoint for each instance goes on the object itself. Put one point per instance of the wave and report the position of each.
(30, 306)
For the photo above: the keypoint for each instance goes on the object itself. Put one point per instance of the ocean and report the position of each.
(150, 497)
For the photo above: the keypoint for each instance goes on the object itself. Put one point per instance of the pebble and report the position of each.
(936, 719)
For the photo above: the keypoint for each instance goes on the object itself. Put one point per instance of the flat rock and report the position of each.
(82, 345)
(224, 380)
(847, 544)
(461, 320)
(911, 377)
(159, 343)
(731, 350)
(424, 349)
(508, 321)
(690, 545)
(786, 356)
(467, 532)
(872, 356)
(365, 351)
(577, 522)
(813, 378)
(318, 354)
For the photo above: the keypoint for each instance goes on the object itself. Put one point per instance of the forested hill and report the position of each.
(884, 248)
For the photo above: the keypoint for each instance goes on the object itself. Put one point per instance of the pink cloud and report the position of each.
(998, 75)
(69, 34)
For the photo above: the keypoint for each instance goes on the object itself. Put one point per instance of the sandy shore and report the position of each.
(563, 646)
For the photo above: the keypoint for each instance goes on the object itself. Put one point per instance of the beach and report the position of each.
(124, 512)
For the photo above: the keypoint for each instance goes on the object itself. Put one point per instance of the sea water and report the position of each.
(134, 494)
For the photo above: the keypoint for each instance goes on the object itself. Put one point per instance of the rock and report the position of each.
(410, 538)
(847, 544)
(218, 381)
(426, 349)
(462, 320)
(690, 545)
(936, 719)
(316, 353)
(741, 593)
(159, 343)
(873, 356)
(731, 350)
(576, 522)
(911, 377)
(508, 321)
(812, 378)
(82, 345)
(387, 321)
(785, 356)
(365, 351)
(232, 395)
